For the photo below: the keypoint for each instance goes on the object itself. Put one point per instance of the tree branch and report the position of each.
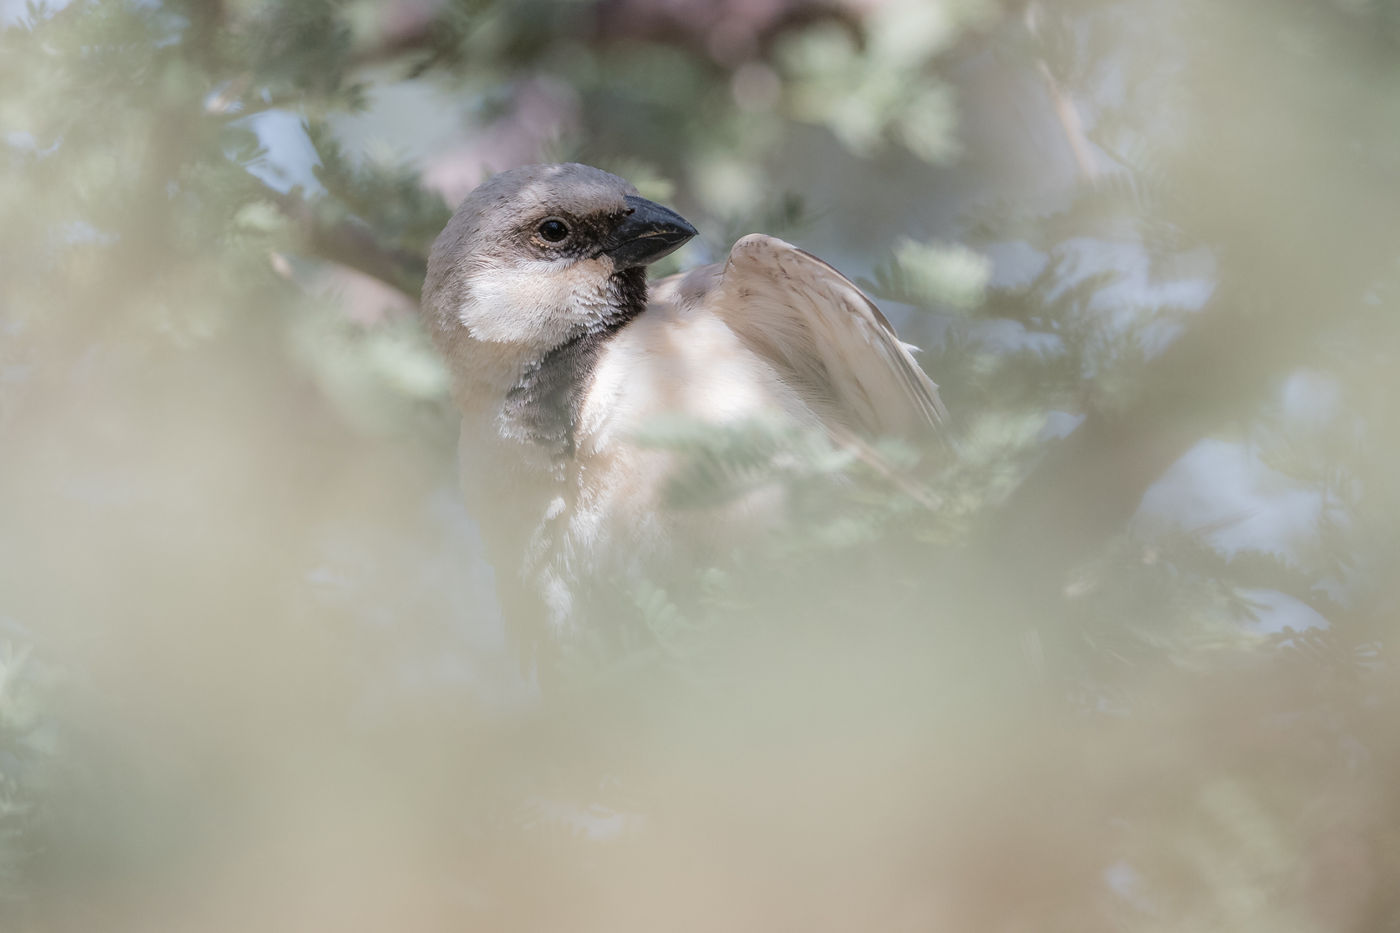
(353, 244)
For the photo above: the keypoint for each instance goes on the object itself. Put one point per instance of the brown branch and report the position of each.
(1071, 124)
(619, 20)
(354, 245)
(424, 36)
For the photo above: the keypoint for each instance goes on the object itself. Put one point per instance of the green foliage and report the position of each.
(27, 747)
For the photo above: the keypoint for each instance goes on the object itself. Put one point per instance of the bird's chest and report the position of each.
(670, 366)
(670, 376)
(577, 485)
(572, 534)
(542, 409)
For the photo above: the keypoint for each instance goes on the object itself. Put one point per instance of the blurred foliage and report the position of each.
(26, 746)
(990, 691)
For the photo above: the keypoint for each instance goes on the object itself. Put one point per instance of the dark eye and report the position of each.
(555, 231)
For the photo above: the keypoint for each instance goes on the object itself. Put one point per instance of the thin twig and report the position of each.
(354, 245)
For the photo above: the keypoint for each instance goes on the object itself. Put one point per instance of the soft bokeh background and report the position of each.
(1132, 671)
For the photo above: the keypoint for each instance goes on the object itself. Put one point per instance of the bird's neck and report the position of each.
(543, 406)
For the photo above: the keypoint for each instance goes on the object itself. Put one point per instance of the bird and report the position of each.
(561, 353)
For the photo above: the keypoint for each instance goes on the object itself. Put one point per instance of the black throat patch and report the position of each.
(544, 406)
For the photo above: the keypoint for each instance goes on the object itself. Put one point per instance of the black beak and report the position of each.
(648, 232)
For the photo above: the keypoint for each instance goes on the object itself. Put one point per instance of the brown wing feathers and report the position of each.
(827, 337)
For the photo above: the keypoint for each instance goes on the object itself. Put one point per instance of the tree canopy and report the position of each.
(1123, 662)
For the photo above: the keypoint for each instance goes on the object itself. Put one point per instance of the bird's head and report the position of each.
(540, 255)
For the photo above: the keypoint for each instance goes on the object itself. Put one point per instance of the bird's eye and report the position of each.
(553, 230)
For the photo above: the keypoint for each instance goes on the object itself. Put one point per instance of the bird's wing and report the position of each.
(827, 339)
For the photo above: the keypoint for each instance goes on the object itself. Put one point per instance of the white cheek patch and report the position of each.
(537, 301)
